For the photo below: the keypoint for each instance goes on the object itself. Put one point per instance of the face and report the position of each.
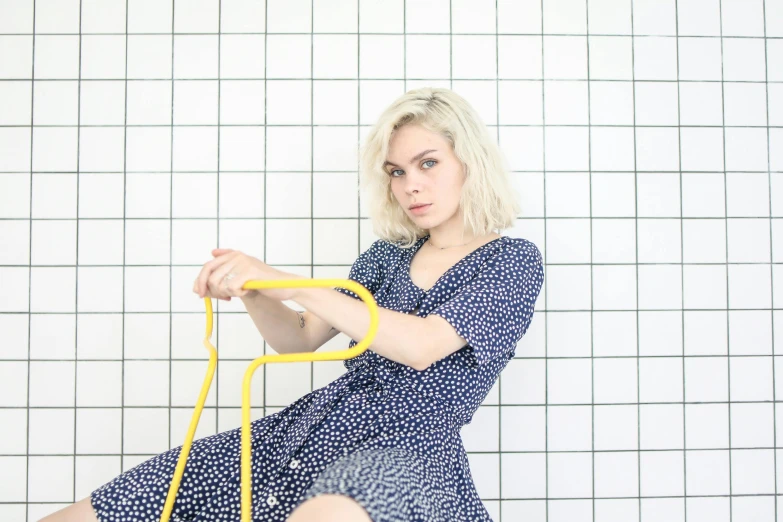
(435, 177)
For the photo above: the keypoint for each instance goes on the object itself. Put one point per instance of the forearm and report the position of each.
(278, 324)
(398, 336)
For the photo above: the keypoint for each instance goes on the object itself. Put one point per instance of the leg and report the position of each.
(79, 512)
(329, 508)
(391, 485)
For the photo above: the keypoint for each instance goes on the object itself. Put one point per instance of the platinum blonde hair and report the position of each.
(488, 200)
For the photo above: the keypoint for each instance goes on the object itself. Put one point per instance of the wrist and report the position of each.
(251, 295)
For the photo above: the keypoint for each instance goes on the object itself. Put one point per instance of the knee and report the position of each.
(80, 511)
(330, 508)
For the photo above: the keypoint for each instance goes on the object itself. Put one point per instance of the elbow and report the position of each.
(420, 366)
(422, 343)
(422, 361)
(416, 365)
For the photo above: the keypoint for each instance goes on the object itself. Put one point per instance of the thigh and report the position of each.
(140, 492)
(211, 477)
(392, 485)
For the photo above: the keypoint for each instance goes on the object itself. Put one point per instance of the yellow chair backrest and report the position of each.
(246, 489)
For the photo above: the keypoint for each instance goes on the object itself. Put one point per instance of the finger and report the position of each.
(216, 283)
(221, 298)
(233, 287)
(207, 270)
(221, 251)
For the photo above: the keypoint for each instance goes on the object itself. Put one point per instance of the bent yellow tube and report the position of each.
(246, 477)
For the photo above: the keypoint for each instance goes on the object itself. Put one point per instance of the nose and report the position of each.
(412, 181)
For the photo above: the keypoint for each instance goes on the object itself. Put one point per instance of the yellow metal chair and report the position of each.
(246, 490)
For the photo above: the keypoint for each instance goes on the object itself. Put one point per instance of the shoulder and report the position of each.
(521, 251)
(517, 259)
(382, 253)
(381, 249)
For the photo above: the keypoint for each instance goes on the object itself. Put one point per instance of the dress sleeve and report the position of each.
(493, 310)
(367, 270)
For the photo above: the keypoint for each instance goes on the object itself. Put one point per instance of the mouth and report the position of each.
(420, 208)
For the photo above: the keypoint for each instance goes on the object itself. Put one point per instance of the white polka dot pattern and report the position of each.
(382, 433)
(493, 310)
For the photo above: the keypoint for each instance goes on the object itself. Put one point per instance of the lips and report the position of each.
(421, 209)
(417, 205)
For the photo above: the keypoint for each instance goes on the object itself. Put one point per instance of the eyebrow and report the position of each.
(413, 159)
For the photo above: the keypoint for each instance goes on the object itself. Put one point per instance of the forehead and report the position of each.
(411, 140)
(411, 132)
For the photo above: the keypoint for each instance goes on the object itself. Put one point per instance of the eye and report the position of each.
(391, 173)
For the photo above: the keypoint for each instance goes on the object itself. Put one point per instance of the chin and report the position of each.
(422, 220)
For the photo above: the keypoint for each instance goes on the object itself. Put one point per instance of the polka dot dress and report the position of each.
(382, 433)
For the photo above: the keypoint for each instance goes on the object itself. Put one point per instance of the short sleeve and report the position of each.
(493, 311)
(367, 270)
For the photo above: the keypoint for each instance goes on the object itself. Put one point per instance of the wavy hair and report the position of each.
(488, 200)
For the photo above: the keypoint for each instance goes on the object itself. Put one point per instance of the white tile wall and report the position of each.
(645, 138)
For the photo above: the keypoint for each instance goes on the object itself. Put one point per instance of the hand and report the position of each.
(210, 281)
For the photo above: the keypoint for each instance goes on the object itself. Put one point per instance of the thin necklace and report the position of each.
(444, 248)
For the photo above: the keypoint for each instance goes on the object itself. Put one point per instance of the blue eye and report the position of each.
(391, 173)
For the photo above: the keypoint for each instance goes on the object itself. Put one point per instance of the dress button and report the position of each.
(271, 501)
(293, 464)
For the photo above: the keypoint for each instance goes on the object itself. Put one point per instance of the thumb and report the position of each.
(220, 251)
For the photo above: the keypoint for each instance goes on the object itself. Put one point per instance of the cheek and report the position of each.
(452, 184)
(395, 190)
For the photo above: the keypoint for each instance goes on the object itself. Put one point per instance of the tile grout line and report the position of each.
(30, 275)
(76, 268)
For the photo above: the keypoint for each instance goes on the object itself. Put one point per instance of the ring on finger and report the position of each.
(228, 277)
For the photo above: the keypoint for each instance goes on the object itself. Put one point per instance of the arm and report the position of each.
(407, 339)
(490, 314)
(289, 331)
(414, 341)
(285, 329)
(401, 337)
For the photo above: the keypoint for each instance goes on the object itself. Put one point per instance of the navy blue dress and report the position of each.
(382, 433)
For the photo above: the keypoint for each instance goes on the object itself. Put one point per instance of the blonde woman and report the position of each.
(382, 442)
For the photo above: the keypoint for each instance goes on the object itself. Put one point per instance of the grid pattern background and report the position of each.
(645, 138)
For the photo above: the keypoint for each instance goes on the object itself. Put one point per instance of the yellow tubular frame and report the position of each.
(246, 478)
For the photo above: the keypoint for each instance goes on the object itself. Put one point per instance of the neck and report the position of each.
(451, 240)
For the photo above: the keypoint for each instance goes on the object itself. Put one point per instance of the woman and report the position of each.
(382, 441)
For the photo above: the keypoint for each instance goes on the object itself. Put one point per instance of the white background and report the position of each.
(646, 140)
